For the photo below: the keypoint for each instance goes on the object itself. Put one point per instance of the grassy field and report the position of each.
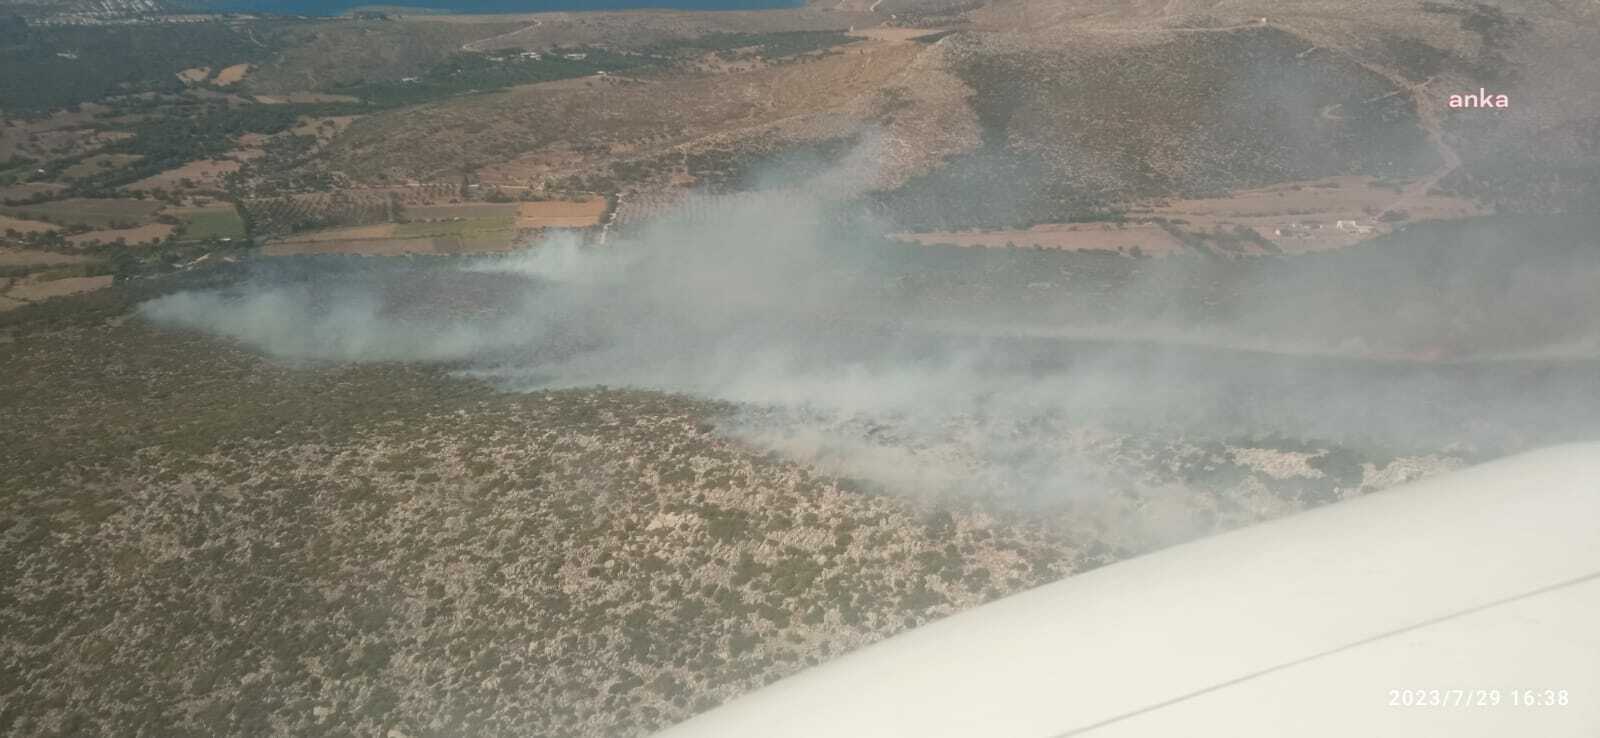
(220, 222)
(472, 235)
(468, 228)
(364, 246)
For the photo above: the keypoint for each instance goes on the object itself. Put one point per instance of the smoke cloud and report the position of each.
(789, 301)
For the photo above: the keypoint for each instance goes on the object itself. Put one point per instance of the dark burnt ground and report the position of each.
(1068, 134)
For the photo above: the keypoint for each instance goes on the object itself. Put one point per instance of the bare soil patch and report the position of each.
(34, 290)
(465, 210)
(32, 257)
(204, 173)
(232, 75)
(893, 35)
(194, 75)
(559, 214)
(21, 225)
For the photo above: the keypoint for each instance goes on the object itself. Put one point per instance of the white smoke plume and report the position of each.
(784, 300)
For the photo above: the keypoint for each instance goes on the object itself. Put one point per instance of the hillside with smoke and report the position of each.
(571, 374)
(788, 302)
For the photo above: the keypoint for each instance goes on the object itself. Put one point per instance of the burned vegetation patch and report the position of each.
(1420, 61)
(1069, 134)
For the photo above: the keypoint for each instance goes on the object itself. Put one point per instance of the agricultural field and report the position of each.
(428, 229)
(427, 213)
(11, 258)
(383, 241)
(312, 211)
(365, 246)
(43, 287)
(424, 219)
(561, 214)
(209, 222)
(149, 234)
(95, 213)
(20, 225)
(465, 228)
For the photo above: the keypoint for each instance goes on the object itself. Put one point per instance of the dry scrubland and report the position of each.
(327, 54)
(208, 542)
(258, 547)
(802, 96)
(622, 139)
(635, 29)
